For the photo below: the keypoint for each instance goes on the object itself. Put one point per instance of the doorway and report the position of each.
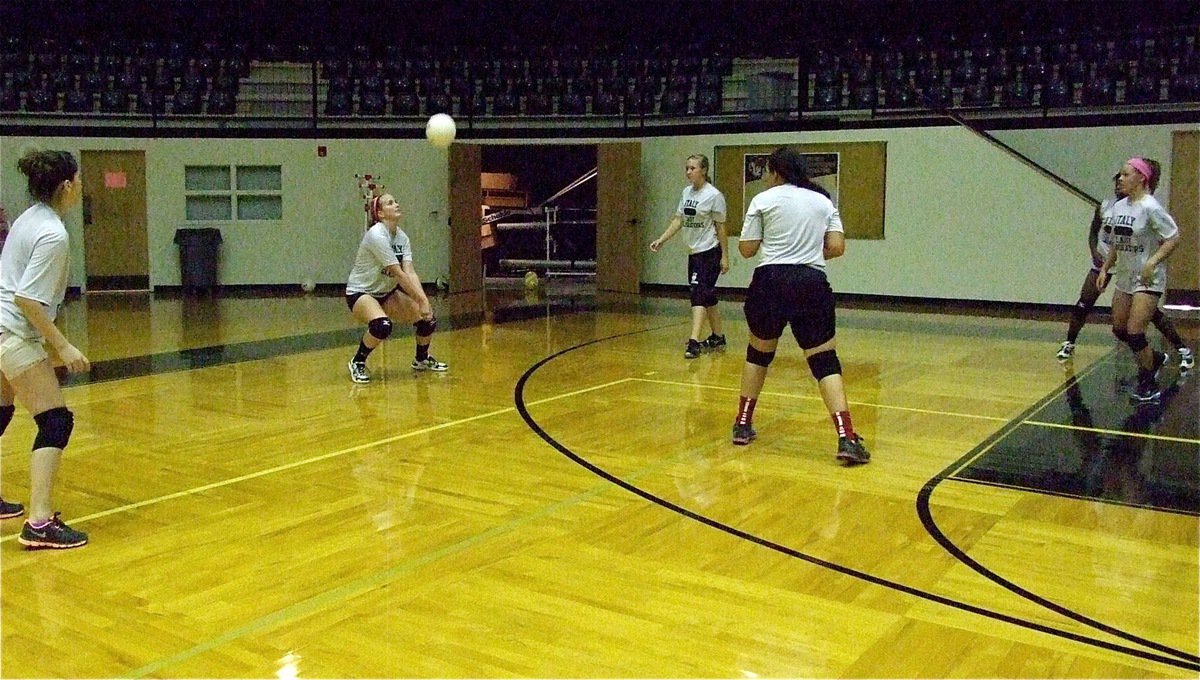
(538, 203)
(116, 254)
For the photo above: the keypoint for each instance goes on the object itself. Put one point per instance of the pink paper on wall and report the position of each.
(114, 179)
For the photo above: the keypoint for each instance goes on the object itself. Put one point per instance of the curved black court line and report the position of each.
(519, 399)
(931, 527)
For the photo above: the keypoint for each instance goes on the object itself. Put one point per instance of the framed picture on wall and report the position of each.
(852, 173)
(822, 171)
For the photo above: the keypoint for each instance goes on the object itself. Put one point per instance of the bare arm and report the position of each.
(1094, 235)
(749, 249)
(673, 228)
(71, 357)
(722, 240)
(405, 275)
(835, 245)
(1164, 251)
(1102, 275)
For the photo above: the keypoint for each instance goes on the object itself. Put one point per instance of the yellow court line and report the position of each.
(811, 398)
(1119, 433)
(324, 456)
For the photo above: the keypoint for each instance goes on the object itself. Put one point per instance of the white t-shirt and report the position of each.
(34, 265)
(1138, 229)
(378, 250)
(791, 223)
(701, 209)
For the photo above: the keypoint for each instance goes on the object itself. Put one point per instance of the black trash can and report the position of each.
(199, 253)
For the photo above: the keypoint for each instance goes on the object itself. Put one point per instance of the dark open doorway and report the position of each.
(539, 209)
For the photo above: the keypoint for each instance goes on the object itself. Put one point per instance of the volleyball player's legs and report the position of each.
(816, 332)
(368, 311)
(1142, 306)
(1088, 294)
(716, 336)
(766, 324)
(404, 309)
(37, 389)
(7, 410)
(695, 294)
(1165, 326)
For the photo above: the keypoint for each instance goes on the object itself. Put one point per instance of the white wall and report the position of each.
(963, 219)
(322, 212)
(1088, 157)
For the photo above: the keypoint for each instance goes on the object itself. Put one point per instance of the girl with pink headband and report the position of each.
(1099, 243)
(1143, 235)
(384, 287)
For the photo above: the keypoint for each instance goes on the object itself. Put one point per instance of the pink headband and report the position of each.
(1141, 166)
(375, 208)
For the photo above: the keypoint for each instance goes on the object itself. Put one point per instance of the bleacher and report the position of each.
(226, 79)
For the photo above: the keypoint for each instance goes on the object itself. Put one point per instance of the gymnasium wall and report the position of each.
(1079, 155)
(322, 212)
(963, 219)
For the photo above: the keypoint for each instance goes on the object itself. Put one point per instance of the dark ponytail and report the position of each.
(47, 170)
(789, 164)
(1155, 171)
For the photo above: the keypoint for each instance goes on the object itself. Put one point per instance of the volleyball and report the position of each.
(308, 285)
(531, 280)
(440, 130)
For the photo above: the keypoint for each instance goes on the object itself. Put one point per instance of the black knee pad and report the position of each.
(425, 328)
(824, 364)
(6, 416)
(1121, 334)
(759, 358)
(380, 328)
(54, 428)
(1136, 341)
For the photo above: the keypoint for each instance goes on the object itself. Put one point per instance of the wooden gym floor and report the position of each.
(565, 502)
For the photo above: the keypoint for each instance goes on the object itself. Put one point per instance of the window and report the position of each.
(216, 193)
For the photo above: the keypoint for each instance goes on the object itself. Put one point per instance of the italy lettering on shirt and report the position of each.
(689, 214)
(1123, 238)
(1124, 220)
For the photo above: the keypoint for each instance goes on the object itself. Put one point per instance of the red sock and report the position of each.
(745, 410)
(841, 421)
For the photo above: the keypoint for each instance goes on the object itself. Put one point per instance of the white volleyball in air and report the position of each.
(440, 130)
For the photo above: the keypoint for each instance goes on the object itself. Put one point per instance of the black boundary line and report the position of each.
(926, 515)
(1072, 496)
(1190, 663)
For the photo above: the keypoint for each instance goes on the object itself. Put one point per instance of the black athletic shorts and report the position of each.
(703, 271)
(351, 298)
(791, 294)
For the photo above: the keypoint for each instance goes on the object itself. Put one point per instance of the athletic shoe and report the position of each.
(358, 372)
(53, 534)
(1187, 359)
(8, 510)
(1146, 391)
(693, 349)
(715, 341)
(1066, 351)
(852, 452)
(429, 364)
(743, 434)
